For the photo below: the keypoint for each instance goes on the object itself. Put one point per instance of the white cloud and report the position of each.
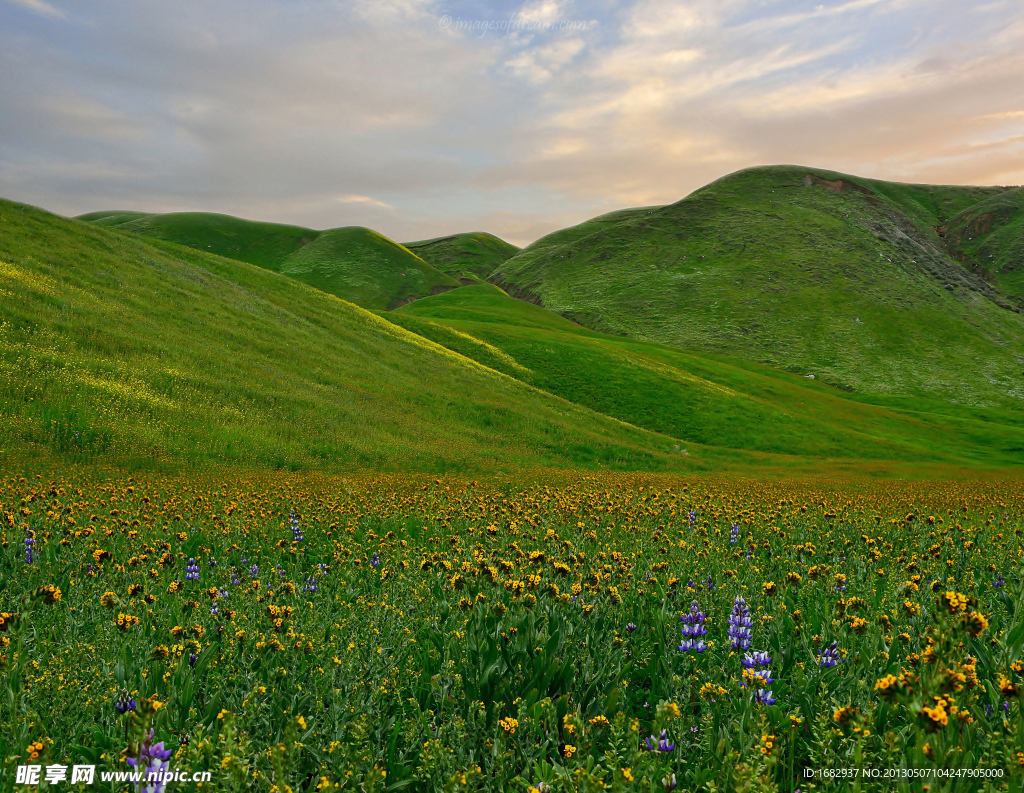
(362, 199)
(40, 7)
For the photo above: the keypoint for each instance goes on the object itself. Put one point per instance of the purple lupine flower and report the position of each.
(694, 630)
(234, 579)
(669, 783)
(375, 560)
(280, 571)
(192, 658)
(710, 585)
(750, 554)
(691, 517)
(630, 627)
(691, 584)
(756, 659)
(30, 541)
(829, 657)
(212, 563)
(659, 744)
(192, 571)
(757, 662)
(222, 593)
(740, 624)
(151, 762)
(310, 584)
(244, 561)
(762, 697)
(293, 521)
(254, 570)
(322, 568)
(124, 702)
(214, 611)
(1000, 581)
(734, 534)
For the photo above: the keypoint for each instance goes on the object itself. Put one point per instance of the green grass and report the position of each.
(365, 268)
(469, 257)
(705, 398)
(115, 347)
(851, 285)
(354, 263)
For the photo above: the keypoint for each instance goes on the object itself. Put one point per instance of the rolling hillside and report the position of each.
(150, 353)
(354, 263)
(703, 398)
(810, 271)
(469, 257)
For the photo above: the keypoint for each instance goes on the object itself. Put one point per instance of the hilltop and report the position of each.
(810, 271)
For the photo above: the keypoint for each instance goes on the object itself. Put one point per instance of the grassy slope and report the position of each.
(469, 257)
(364, 267)
(115, 346)
(700, 397)
(353, 263)
(850, 285)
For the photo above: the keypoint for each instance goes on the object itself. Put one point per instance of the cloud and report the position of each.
(332, 112)
(362, 199)
(40, 7)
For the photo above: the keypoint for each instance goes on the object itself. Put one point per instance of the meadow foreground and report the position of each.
(561, 631)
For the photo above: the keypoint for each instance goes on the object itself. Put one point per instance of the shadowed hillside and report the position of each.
(469, 257)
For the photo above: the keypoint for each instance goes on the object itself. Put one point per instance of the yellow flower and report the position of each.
(569, 750)
(508, 725)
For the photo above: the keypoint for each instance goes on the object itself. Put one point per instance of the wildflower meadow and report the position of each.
(553, 632)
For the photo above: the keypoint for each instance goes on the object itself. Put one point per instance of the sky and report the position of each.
(420, 118)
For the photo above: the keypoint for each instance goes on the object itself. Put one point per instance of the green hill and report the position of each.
(805, 270)
(704, 398)
(354, 263)
(122, 348)
(469, 257)
(366, 268)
